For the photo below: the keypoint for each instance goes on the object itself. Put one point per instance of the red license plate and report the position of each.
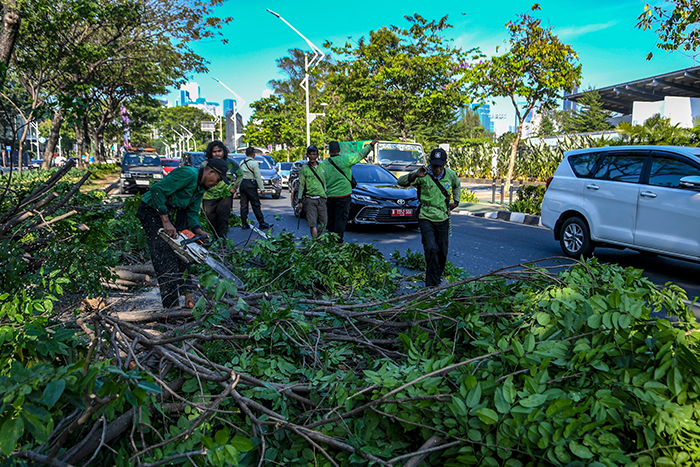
(401, 212)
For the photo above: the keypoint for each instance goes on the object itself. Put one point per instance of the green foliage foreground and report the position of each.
(515, 368)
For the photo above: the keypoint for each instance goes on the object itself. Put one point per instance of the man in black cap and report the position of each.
(176, 197)
(434, 186)
(312, 192)
(248, 182)
(338, 171)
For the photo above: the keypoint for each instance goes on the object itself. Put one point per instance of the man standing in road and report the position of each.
(248, 182)
(312, 191)
(434, 185)
(178, 195)
(338, 171)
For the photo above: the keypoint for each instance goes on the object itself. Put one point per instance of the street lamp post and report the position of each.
(237, 103)
(318, 56)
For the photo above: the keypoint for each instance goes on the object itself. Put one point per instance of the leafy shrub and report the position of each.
(468, 196)
(529, 200)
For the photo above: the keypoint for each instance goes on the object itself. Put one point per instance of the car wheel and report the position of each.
(277, 194)
(575, 238)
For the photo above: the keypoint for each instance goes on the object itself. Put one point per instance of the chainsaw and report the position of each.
(187, 247)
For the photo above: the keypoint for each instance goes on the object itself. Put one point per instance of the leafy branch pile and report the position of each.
(523, 366)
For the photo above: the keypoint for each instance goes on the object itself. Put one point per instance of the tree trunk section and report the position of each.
(8, 36)
(53, 139)
(513, 153)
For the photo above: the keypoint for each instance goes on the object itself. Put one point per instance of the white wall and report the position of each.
(681, 110)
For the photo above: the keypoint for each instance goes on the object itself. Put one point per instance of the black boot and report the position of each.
(245, 225)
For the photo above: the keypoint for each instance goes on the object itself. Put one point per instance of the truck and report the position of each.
(397, 157)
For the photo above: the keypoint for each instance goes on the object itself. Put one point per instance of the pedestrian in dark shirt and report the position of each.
(177, 197)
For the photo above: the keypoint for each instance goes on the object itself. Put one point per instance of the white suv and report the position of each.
(642, 197)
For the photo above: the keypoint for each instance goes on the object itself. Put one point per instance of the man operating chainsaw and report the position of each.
(173, 204)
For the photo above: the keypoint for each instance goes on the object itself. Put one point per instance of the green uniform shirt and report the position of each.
(250, 170)
(308, 181)
(432, 201)
(179, 190)
(337, 185)
(221, 189)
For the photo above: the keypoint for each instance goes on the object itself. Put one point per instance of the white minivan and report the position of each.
(642, 197)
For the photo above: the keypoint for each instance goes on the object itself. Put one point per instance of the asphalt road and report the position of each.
(482, 245)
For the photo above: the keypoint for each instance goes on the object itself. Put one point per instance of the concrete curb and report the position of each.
(507, 216)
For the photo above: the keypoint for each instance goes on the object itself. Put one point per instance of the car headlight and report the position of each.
(364, 199)
(126, 175)
(157, 176)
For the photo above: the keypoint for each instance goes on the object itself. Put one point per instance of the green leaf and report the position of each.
(487, 416)
(500, 403)
(534, 400)
(242, 444)
(530, 342)
(150, 387)
(595, 320)
(474, 396)
(52, 392)
(509, 392)
(221, 437)
(518, 349)
(580, 451)
(11, 431)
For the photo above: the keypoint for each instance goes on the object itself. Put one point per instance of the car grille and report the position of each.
(383, 216)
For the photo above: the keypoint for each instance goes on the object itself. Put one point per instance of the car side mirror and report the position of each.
(691, 182)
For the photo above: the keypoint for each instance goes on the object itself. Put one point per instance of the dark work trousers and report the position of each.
(338, 211)
(249, 193)
(218, 212)
(436, 238)
(169, 268)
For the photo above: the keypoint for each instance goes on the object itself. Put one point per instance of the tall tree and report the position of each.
(677, 24)
(591, 117)
(536, 69)
(401, 77)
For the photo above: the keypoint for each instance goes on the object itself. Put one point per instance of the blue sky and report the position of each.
(603, 33)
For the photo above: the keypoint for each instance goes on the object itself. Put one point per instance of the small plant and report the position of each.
(529, 200)
(468, 196)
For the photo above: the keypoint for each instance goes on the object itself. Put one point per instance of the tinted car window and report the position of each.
(621, 167)
(584, 164)
(365, 173)
(285, 166)
(667, 171)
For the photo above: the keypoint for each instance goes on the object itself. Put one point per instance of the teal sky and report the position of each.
(610, 48)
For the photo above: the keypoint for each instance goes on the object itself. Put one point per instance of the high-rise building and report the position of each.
(184, 97)
(193, 89)
(484, 112)
(570, 106)
(228, 105)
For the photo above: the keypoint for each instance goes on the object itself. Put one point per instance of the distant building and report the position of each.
(484, 112)
(193, 90)
(228, 105)
(570, 106)
(184, 98)
(212, 108)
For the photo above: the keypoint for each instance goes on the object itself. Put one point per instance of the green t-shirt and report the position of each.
(180, 190)
(433, 206)
(221, 189)
(308, 181)
(337, 184)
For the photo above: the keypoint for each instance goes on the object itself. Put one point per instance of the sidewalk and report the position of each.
(484, 208)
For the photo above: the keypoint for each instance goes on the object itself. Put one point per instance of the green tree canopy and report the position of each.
(591, 117)
(536, 69)
(677, 23)
(401, 78)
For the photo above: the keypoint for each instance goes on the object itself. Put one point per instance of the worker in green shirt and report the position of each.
(338, 171)
(178, 196)
(434, 186)
(218, 200)
(248, 182)
(312, 192)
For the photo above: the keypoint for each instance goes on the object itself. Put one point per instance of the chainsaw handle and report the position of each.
(193, 239)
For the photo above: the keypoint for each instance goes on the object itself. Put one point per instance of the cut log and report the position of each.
(130, 275)
(146, 268)
(147, 316)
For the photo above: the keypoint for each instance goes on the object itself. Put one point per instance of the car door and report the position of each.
(610, 196)
(668, 216)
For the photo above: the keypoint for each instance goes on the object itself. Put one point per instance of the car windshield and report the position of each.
(400, 153)
(365, 173)
(169, 162)
(141, 159)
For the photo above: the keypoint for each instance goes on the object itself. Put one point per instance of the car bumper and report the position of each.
(384, 215)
